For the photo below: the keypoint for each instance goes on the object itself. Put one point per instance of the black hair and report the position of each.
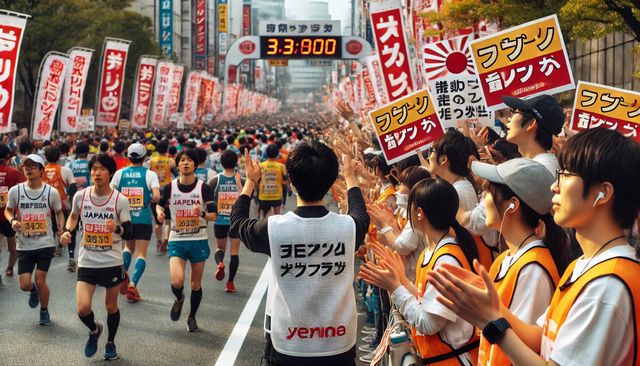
(119, 147)
(555, 237)
(215, 147)
(172, 150)
(507, 149)
(601, 155)
(104, 146)
(403, 164)
(82, 149)
(312, 168)
(25, 147)
(223, 145)
(457, 148)
(162, 147)
(4, 152)
(379, 162)
(52, 153)
(106, 161)
(190, 153)
(228, 159)
(202, 156)
(412, 175)
(230, 139)
(272, 151)
(439, 201)
(542, 137)
(64, 148)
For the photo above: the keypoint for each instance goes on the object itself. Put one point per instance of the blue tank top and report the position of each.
(202, 174)
(81, 173)
(226, 194)
(133, 184)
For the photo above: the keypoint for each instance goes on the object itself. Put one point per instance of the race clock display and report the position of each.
(303, 47)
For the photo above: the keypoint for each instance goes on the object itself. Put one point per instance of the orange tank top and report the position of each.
(53, 177)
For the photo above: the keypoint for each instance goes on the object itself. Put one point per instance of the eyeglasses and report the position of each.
(560, 173)
(515, 111)
(29, 167)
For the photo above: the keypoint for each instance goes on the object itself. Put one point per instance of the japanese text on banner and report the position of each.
(73, 89)
(523, 61)
(603, 106)
(11, 31)
(406, 125)
(52, 74)
(143, 91)
(109, 99)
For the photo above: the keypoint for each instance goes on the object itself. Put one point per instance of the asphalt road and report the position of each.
(146, 335)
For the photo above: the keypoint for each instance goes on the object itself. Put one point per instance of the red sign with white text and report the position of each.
(11, 31)
(143, 91)
(174, 92)
(391, 45)
(114, 60)
(52, 73)
(73, 90)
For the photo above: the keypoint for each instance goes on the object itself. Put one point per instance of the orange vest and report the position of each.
(432, 348)
(388, 192)
(505, 286)
(485, 256)
(53, 177)
(567, 292)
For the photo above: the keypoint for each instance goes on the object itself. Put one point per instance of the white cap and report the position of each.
(136, 150)
(36, 159)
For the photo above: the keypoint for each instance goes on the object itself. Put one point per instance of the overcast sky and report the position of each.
(339, 9)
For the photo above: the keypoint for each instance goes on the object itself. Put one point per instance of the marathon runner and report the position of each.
(80, 169)
(9, 177)
(191, 204)
(270, 188)
(162, 165)
(30, 208)
(103, 214)
(141, 186)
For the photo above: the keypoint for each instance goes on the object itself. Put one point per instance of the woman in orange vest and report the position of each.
(526, 274)
(440, 336)
(594, 316)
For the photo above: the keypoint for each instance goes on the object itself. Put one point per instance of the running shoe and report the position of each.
(133, 295)
(91, 347)
(165, 247)
(220, 272)
(34, 299)
(367, 358)
(124, 285)
(110, 352)
(72, 266)
(176, 309)
(44, 318)
(192, 326)
(230, 287)
(366, 348)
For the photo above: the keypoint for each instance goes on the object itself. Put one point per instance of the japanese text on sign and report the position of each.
(297, 255)
(143, 91)
(603, 106)
(52, 74)
(73, 89)
(111, 82)
(11, 31)
(300, 28)
(166, 27)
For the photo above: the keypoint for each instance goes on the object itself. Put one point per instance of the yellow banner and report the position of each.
(517, 44)
(606, 101)
(402, 112)
(223, 25)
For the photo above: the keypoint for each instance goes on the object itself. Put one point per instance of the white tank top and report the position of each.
(186, 225)
(311, 285)
(34, 214)
(99, 247)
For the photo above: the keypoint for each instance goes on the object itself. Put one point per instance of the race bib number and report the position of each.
(226, 200)
(97, 238)
(135, 196)
(187, 223)
(81, 181)
(4, 196)
(34, 228)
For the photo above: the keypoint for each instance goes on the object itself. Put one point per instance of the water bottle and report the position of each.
(400, 351)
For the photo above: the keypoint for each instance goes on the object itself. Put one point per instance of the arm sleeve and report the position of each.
(209, 199)
(415, 314)
(252, 232)
(357, 211)
(165, 195)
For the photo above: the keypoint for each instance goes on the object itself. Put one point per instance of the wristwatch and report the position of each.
(495, 330)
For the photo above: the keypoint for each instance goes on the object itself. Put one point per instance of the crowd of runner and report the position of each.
(506, 244)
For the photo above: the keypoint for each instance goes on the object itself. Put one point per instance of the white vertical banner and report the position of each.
(73, 89)
(111, 82)
(191, 95)
(375, 73)
(175, 88)
(161, 91)
(11, 31)
(50, 79)
(143, 91)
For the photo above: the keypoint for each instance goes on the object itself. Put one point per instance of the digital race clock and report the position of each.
(286, 47)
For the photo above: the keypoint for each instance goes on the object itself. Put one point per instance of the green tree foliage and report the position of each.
(579, 19)
(58, 25)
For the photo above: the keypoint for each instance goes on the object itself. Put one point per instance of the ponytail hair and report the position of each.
(439, 201)
(466, 241)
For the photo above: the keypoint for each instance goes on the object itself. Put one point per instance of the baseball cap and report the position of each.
(544, 108)
(136, 150)
(528, 179)
(35, 158)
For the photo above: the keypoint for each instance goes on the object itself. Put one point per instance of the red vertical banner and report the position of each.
(52, 73)
(246, 19)
(109, 100)
(201, 35)
(392, 47)
(142, 92)
(174, 92)
(73, 90)
(191, 95)
(11, 30)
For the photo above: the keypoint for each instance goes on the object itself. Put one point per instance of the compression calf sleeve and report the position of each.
(138, 270)
(233, 267)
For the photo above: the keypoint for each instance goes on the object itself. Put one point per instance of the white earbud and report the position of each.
(512, 206)
(600, 196)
